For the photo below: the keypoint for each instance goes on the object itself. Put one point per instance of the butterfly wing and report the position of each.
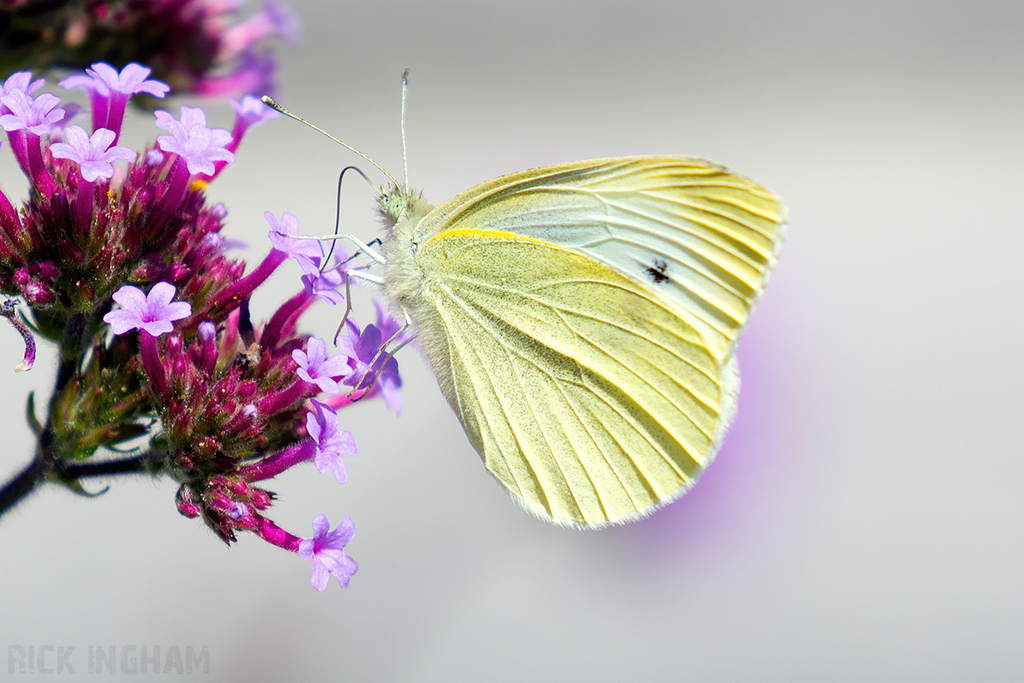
(589, 398)
(580, 319)
(704, 236)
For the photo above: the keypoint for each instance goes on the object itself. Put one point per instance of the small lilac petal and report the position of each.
(321, 284)
(121, 321)
(326, 551)
(198, 145)
(94, 155)
(153, 313)
(21, 80)
(134, 79)
(130, 297)
(331, 443)
(251, 111)
(282, 237)
(35, 115)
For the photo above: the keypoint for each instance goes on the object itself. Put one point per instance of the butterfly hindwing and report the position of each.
(586, 394)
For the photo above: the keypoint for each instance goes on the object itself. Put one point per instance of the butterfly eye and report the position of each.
(396, 206)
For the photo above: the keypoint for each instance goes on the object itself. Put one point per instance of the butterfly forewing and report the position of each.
(703, 236)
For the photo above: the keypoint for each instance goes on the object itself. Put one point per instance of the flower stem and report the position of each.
(23, 484)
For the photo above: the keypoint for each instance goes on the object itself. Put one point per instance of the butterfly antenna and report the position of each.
(405, 157)
(272, 103)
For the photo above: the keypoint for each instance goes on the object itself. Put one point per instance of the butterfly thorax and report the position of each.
(402, 212)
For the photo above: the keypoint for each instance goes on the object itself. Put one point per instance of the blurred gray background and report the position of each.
(863, 521)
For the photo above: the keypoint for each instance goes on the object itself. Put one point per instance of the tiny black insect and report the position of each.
(658, 271)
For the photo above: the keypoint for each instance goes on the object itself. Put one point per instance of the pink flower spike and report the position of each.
(330, 442)
(315, 367)
(153, 313)
(282, 237)
(198, 145)
(94, 154)
(34, 115)
(325, 551)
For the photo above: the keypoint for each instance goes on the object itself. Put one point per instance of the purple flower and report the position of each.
(21, 80)
(366, 360)
(389, 327)
(315, 367)
(253, 74)
(9, 310)
(329, 442)
(35, 115)
(153, 313)
(94, 154)
(109, 91)
(325, 551)
(275, 19)
(251, 111)
(322, 284)
(198, 145)
(282, 237)
(105, 79)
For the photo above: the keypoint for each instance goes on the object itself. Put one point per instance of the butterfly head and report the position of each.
(397, 204)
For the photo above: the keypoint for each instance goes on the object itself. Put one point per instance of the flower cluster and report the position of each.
(196, 46)
(121, 262)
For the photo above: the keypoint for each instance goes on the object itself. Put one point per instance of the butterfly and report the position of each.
(581, 320)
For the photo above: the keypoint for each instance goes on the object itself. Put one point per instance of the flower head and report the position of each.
(154, 313)
(325, 551)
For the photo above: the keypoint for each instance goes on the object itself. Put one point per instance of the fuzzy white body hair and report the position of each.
(408, 290)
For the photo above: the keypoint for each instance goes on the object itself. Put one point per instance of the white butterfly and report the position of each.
(581, 318)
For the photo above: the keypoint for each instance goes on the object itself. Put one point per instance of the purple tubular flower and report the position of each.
(34, 115)
(27, 121)
(8, 309)
(323, 285)
(190, 139)
(275, 20)
(325, 551)
(254, 74)
(251, 112)
(315, 367)
(366, 360)
(110, 91)
(20, 80)
(94, 154)
(153, 313)
(282, 237)
(248, 113)
(329, 442)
